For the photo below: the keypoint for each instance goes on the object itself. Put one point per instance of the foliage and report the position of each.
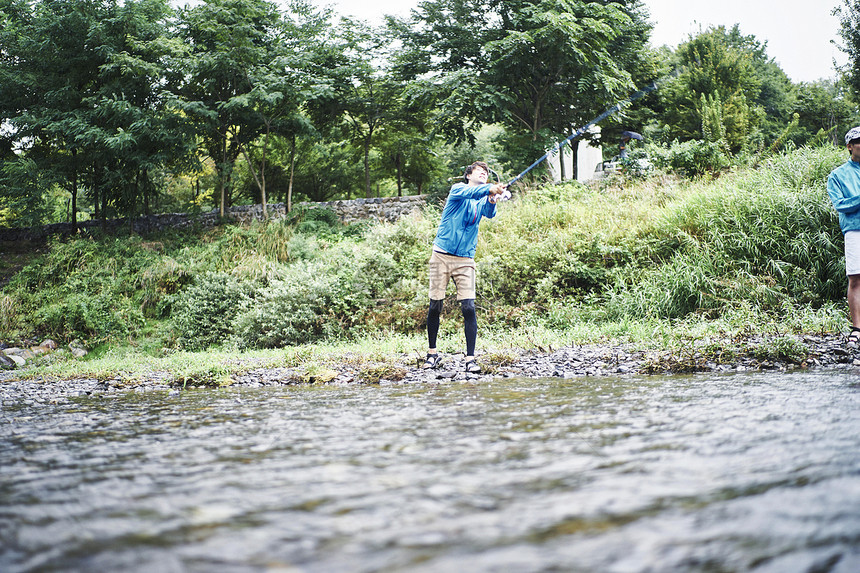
(692, 158)
(82, 103)
(524, 64)
(203, 313)
(848, 14)
(824, 109)
(86, 288)
(763, 240)
(716, 92)
(125, 108)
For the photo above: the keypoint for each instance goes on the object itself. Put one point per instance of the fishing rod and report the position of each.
(617, 107)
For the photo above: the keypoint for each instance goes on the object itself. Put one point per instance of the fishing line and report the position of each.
(617, 107)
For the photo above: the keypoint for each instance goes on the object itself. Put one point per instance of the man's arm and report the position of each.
(842, 200)
(464, 191)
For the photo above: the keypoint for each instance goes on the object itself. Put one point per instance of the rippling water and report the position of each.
(756, 472)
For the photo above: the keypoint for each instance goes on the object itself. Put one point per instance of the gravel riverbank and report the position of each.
(755, 354)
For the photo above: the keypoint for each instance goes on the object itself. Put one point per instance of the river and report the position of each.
(707, 473)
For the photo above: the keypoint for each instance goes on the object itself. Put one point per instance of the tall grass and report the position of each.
(668, 250)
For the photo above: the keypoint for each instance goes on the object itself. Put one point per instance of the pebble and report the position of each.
(822, 351)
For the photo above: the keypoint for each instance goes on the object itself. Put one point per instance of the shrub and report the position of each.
(157, 282)
(93, 319)
(314, 220)
(407, 242)
(292, 310)
(203, 313)
(691, 158)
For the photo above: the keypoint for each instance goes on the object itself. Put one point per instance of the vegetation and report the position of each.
(122, 108)
(654, 261)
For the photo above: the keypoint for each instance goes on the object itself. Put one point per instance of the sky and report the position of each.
(799, 33)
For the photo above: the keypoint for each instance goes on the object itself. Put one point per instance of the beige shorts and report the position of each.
(446, 267)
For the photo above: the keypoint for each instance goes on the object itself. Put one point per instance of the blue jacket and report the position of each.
(843, 186)
(458, 229)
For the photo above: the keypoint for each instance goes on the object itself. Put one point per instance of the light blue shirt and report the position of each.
(458, 229)
(843, 187)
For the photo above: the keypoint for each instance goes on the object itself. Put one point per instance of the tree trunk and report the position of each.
(367, 168)
(97, 192)
(222, 194)
(398, 165)
(263, 173)
(561, 163)
(147, 194)
(74, 194)
(292, 174)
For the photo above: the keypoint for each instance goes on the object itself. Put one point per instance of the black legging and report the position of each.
(470, 323)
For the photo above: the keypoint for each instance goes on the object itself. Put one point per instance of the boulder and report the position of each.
(77, 349)
(6, 363)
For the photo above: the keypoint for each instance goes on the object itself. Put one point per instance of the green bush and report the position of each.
(157, 282)
(203, 313)
(298, 308)
(691, 158)
(92, 319)
(314, 220)
(407, 241)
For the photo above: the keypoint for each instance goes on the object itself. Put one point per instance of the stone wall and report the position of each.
(349, 211)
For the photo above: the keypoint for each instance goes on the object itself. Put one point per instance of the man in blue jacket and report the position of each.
(843, 187)
(453, 256)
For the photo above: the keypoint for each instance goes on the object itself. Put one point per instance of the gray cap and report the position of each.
(853, 133)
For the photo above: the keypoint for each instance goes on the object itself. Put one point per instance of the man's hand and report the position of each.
(496, 190)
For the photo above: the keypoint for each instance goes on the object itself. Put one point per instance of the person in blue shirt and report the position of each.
(453, 255)
(843, 187)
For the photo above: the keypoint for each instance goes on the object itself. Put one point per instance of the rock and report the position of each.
(17, 359)
(6, 363)
(77, 349)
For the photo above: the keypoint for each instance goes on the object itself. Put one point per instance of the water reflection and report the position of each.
(703, 473)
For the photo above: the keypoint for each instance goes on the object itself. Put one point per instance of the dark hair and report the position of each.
(471, 168)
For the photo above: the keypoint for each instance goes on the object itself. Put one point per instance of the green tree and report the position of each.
(281, 81)
(774, 91)
(324, 168)
(849, 30)
(538, 68)
(823, 107)
(713, 71)
(362, 98)
(83, 104)
(228, 42)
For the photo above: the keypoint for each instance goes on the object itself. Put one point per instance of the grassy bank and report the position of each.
(654, 262)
